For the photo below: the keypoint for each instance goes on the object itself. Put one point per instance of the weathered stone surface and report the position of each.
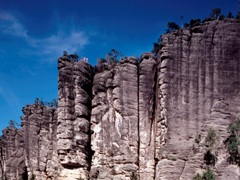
(74, 111)
(145, 117)
(199, 71)
(147, 88)
(115, 121)
(12, 153)
(39, 125)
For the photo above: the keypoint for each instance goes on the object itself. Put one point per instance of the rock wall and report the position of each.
(74, 112)
(39, 136)
(141, 118)
(199, 76)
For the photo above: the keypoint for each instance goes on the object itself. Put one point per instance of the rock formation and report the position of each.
(147, 118)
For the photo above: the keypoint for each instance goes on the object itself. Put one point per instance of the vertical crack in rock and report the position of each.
(209, 74)
(138, 116)
(147, 71)
(144, 115)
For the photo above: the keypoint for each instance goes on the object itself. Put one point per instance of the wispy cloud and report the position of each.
(63, 40)
(11, 26)
(11, 99)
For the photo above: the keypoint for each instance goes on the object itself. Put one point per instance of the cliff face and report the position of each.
(146, 118)
(74, 112)
(199, 74)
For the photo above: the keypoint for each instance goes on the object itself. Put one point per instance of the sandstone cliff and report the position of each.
(144, 118)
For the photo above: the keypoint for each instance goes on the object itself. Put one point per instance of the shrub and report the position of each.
(172, 26)
(230, 15)
(215, 13)
(207, 175)
(232, 142)
(210, 138)
(134, 176)
(195, 22)
(209, 158)
(197, 138)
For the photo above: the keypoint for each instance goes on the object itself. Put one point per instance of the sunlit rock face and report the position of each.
(145, 118)
(199, 82)
(74, 112)
(39, 136)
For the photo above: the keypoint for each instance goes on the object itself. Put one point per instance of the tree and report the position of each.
(232, 142)
(238, 15)
(230, 15)
(73, 57)
(221, 17)
(113, 55)
(195, 22)
(65, 53)
(172, 26)
(157, 46)
(215, 13)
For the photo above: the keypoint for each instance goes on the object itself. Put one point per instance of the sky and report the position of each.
(33, 34)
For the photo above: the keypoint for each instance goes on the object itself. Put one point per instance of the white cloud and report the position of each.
(56, 44)
(51, 46)
(10, 25)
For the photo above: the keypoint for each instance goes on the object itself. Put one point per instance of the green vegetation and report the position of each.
(112, 58)
(4, 177)
(211, 138)
(25, 174)
(232, 143)
(210, 158)
(157, 46)
(73, 57)
(52, 103)
(134, 176)
(195, 22)
(215, 14)
(33, 177)
(197, 138)
(207, 175)
(172, 26)
(173, 158)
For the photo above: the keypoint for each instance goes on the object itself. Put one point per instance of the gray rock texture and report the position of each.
(199, 89)
(74, 112)
(115, 121)
(39, 125)
(146, 118)
(12, 152)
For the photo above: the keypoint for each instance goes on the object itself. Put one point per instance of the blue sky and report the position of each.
(33, 34)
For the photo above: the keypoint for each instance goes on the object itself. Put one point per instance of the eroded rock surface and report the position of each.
(115, 121)
(39, 125)
(74, 111)
(147, 118)
(199, 70)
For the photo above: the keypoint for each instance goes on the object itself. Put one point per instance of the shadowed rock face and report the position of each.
(136, 117)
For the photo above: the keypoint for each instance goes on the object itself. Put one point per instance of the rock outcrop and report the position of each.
(74, 112)
(147, 118)
(199, 75)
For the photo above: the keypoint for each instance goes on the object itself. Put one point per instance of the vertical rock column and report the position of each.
(147, 82)
(39, 132)
(74, 110)
(115, 121)
(12, 154)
